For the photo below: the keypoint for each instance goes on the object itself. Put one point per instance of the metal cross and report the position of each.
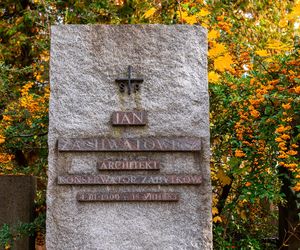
(130, 82)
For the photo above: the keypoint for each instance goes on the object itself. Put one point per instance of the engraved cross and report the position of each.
(131, 83)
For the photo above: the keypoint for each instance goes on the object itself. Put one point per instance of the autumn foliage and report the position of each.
(253, 74)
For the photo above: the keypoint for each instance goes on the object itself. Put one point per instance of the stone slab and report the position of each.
(17, 205)
(85, 62)
(129, 118)
(128, 165)
(168, 179)
(177, 144)
(127, 196)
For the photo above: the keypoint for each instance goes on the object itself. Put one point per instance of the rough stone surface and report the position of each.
(85, 61)
(16, 205)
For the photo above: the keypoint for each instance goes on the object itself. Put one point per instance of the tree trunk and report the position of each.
(289, 223)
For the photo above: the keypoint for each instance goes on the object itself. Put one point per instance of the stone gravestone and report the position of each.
(17, 193)
(129, 138)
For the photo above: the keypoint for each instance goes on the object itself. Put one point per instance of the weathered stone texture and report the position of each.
(85, 61)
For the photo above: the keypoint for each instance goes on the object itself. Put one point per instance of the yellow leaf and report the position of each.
(262, 52)
(205, 25)
(223, 63)
(269, 59)
(38, 77)
(182, 14)
(215, 211)
(213, 77)
(213, 34)
(295, 12)
(203, 12)
(45, 56)
(190, 19)
(150, 12)
(283, 23)
(278, 45)
(274, 44)
(217, 218)
(217, 50)
(224, 179)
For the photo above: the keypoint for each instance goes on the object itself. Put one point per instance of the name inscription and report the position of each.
(127, 196)
(129, 118)
(128, 165)
(168, 179)
(129, 144)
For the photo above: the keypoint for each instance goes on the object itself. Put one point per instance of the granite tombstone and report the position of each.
(17, 193)
(128, 138)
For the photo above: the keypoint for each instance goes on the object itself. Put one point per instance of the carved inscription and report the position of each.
(128, 196)
(128, 165)
(130, 144)
(168, 179)
(129, 118)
